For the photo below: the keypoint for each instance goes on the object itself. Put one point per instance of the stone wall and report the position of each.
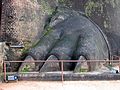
(2, 56)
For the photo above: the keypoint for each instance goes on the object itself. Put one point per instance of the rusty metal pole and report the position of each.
(119, 64)
(5, 71)
(62, 70)
(111, 61)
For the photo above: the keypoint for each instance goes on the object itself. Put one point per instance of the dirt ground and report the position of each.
(67, 85)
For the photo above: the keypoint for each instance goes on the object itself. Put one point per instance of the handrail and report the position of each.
(59, 61)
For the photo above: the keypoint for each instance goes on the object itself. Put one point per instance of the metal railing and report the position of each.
(59, 61)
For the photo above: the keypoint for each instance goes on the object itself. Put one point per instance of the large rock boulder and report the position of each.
(81, 66)
(71, 35)
(24, 20)
(21, 20)
(50, 66)
(68, 35)
(28, 66)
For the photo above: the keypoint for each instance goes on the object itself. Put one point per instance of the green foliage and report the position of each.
(67, 3)
(29, 45)
(26, 68)
(113, 3)
(24, 51)
(61, 1)
(46, 7)
(26, 48)
(79, 70)
(98, 5)
(47, 28)
(83, 70)
(91, 6)
(47, 31)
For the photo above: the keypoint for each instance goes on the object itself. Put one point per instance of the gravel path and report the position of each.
(67, 85)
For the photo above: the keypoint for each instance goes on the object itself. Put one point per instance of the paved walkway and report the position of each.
(67, 85)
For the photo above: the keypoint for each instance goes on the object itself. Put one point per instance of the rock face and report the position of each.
(72, 35)
(2, 54)
(67, 34)
(27, 67)
(81, 66)
(21, 20)
(106, 14)
(2, 57)
(24, 20)
(50, 66)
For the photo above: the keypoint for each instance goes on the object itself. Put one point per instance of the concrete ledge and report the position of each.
(68, 76)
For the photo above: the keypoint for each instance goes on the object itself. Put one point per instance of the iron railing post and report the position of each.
(119, 64)
(4, 71)
(62, 70)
